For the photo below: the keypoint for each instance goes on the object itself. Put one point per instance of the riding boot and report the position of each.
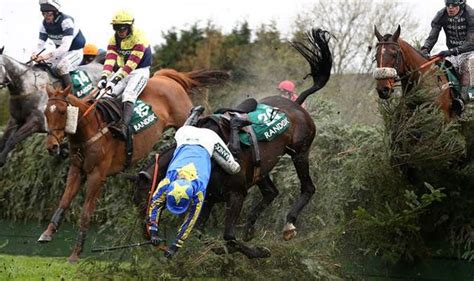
(120, 129)
(460, 100)
(234, 142)
(66, 80)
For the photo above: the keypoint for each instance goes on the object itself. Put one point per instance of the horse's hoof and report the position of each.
(263, 252)
(73, 259)
(289, 231)
(44, 238)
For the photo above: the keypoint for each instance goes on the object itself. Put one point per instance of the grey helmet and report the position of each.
(49, 5)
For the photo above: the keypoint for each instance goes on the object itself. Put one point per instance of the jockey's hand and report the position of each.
(113, 83)
(425, 53)
(102, 82)
(171, 251)
(155, 240)
(39, 58)
(445, 53)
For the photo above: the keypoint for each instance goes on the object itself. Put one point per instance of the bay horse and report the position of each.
(295, 141)
(28, 97)
(397, 61)
(95, 154)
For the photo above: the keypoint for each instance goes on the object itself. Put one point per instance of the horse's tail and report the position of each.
(196, 79)
(316, 51)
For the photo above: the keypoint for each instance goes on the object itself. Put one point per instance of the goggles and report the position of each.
(121, 27)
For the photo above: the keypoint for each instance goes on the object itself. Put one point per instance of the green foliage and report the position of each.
(394, 231)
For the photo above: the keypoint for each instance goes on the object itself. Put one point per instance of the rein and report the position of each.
(88, 142)
(401, 57)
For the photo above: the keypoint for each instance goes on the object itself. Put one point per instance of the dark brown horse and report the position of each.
(296, 142)
(96, 155)
(399, 61)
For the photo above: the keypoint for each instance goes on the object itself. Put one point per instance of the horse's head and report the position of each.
(57, 114)
(389, 60)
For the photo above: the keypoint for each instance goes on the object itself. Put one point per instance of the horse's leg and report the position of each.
(95, 180)
(234, 206)
(301, 162)
(72, 187)
(269, 192)
(11, 128)
(34, 123)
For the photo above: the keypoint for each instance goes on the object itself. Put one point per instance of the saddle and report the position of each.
(111, 110)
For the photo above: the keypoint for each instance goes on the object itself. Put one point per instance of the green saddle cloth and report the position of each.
(143, 117)
(268, 123)
(81, 83)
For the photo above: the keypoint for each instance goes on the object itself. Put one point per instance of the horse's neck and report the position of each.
(88, 126)
(412, 64)
(14, 70)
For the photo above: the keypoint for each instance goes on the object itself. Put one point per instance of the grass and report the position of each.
(36, 268)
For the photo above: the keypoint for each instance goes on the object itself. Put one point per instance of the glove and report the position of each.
(155, 240)
(102, 82)
(444, 54)
(112, 84)
(171, 251)
(425, 53)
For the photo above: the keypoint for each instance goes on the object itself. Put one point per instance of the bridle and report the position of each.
(397, 67)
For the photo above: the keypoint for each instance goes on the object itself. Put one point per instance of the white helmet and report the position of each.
(49, 5)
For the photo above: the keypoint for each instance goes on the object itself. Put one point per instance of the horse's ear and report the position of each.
(67, 90)
(396, 34)
(1, 50)
(377, 33)
(50, 90)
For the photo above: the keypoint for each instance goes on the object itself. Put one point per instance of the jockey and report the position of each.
(66, 36)
(184, 186)
(457, 21)
(126, 68)
(287, 89)
(90, 52)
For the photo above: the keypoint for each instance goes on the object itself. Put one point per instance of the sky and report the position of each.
(20, 19)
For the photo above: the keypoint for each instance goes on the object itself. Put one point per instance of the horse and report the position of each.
(296, 142)
(397, 61)
(95, 154)
(27, 87)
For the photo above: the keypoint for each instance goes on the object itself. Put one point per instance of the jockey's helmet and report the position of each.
(49, 5)
(287, 86)
(90, 50)
(122, 17)
(455, 2)
(179, 196)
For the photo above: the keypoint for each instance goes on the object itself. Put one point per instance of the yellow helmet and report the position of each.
(122, 17)
(90, 50)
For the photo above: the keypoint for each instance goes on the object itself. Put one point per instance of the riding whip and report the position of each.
(107, 249)
(36, 55)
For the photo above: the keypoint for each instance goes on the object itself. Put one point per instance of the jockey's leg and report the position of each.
(135, 83)
(236, 123)
(69, 62)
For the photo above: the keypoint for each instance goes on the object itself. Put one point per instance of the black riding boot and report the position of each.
(120, 129)
(66, 80)
(234, 142)
(459, 101)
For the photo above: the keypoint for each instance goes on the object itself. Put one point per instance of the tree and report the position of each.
(352, 23)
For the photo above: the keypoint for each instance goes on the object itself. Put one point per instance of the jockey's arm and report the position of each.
(434, 33)
(157, 204)
(224, 157)
(110, 59)
(190, 219)
(133, 60)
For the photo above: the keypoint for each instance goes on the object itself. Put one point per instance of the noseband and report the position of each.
(382, 72)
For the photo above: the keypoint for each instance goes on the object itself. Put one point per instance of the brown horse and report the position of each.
(96, 155)
(296, 142)
(399, 61)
